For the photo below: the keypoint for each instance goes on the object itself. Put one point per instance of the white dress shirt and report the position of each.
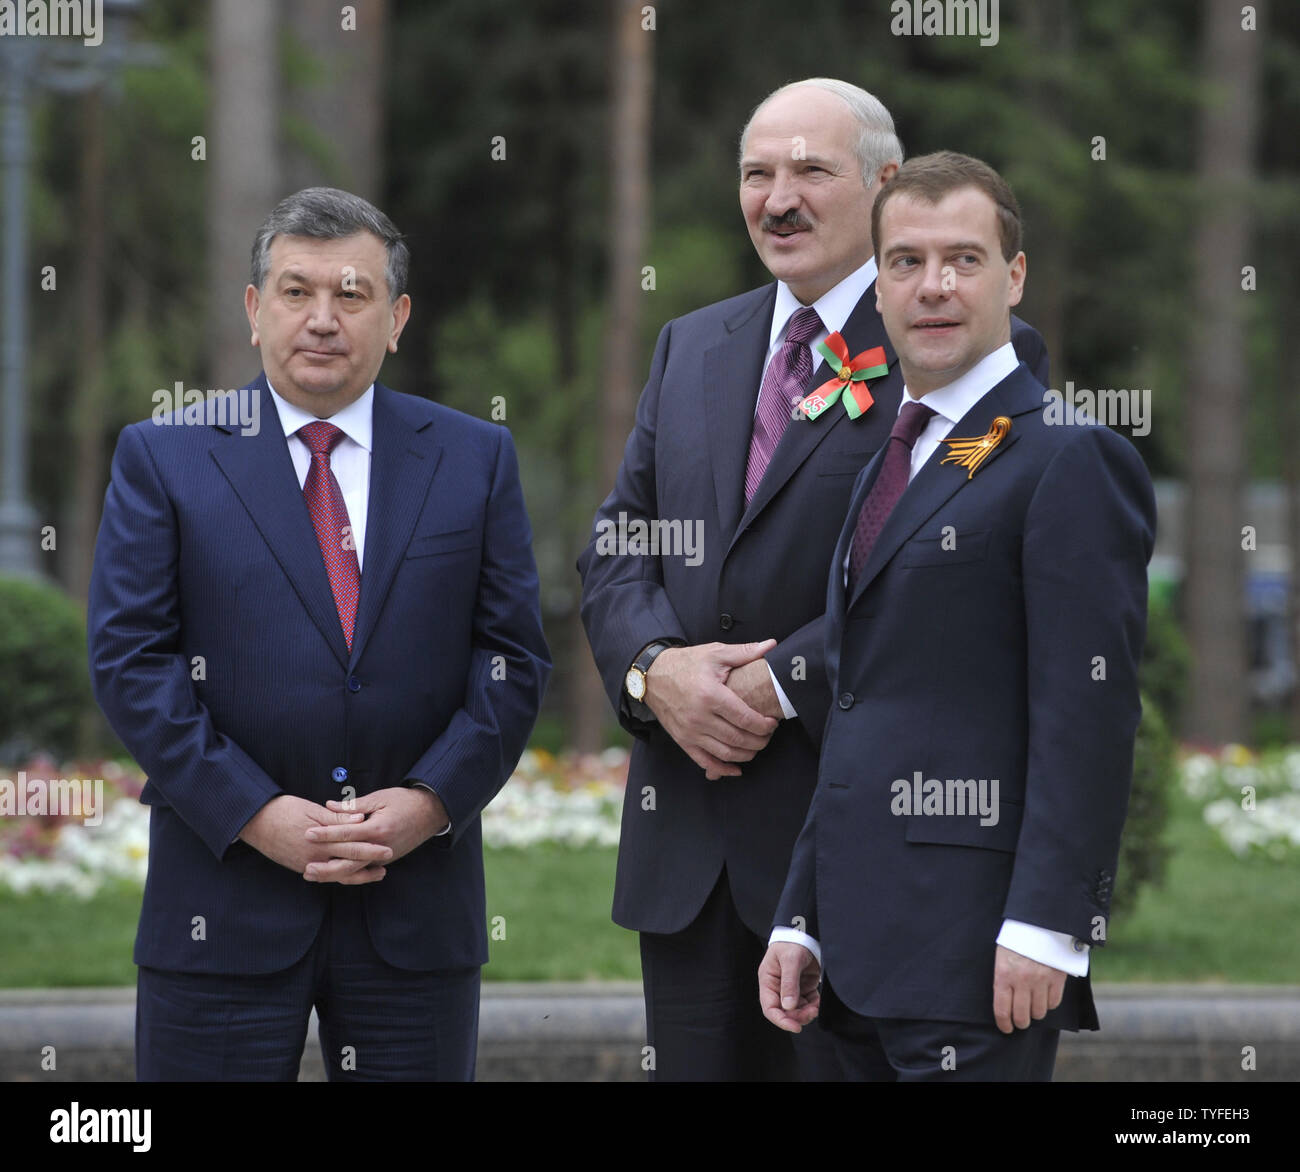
(834, 308)
(950, 403)
(349, 461)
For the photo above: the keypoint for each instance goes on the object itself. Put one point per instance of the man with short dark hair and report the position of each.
(320, 638)
(715, 661)
(986, 613)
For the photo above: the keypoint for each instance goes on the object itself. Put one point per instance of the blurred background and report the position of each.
(565, 173)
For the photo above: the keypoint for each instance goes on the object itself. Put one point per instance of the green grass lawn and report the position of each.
(555, 902)
(1217, 918)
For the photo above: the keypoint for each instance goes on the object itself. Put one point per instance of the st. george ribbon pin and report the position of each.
(972, 452)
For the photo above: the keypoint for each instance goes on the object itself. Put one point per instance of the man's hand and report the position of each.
(686, 689)
(787, 986)
(279, 830)
(1023, 989)
(752, 682)
(397, 819)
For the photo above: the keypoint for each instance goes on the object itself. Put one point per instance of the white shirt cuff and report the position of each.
(786, 707)
(1058, 950)
(794, 936)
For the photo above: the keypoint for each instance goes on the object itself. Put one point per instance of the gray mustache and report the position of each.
(791, 219)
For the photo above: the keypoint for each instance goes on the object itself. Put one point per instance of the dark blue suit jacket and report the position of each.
(968, 651)
(206, 549)
(762, 573)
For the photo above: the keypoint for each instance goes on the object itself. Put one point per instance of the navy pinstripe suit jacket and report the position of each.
(207, 557)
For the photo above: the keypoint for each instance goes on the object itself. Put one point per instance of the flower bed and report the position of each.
(1251, 800)
(63, 852)
(572, 800)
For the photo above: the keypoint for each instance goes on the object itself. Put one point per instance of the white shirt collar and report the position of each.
(356, 420)
(960, 395)
(833, 306)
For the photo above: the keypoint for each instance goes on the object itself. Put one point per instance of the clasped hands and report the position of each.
(788, 979)
(716, 701)
(345, 842)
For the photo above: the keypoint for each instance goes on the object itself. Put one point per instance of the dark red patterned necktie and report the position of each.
(891, 480)
(784, 384)
(330, 516)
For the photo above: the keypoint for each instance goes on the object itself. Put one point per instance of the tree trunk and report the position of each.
(632, 82)
(89, 410)
(335, 136)
(243, 151)
(1216, 400)
(1287, 415)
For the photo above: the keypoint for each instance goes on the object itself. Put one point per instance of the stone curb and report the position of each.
(557, 1031)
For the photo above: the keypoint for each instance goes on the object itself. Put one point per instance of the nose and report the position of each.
(936, 282)
(321, 319)
(784, 195)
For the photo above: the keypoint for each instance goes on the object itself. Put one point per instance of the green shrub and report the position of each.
(1143, 852)
(45, 698)
(1165, 662)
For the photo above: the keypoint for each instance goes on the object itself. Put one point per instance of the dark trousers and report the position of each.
(886, 1049)
(377, 1022)
(703, 1019)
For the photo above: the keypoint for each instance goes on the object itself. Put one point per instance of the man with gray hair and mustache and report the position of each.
(717, 668)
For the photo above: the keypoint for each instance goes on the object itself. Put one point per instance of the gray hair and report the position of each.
(326, 213)
(877, 143)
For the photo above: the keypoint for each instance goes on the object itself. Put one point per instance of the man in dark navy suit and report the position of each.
(320, 638)
(727, 721)
(985, 618)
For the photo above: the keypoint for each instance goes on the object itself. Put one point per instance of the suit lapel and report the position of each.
(862, 331)
(402, 463)
(1018, 394)
(260, 470)
(403, 459)
(732, 370)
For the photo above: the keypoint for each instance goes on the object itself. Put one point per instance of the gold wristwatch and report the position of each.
(634, 681)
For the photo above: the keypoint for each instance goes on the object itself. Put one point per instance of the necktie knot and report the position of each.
(805, 325)
(320, 437)
(911, 422)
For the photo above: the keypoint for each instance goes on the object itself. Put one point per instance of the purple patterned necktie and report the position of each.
(784, 384)
(891, 480)
(330, 517)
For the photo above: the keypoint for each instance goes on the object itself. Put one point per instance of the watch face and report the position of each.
(635, 684)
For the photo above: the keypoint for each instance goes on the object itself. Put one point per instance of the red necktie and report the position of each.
(330, 516)
(891, 480)
(784, 384)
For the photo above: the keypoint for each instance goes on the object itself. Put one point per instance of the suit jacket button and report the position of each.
(354, 684)
(726, 622)
(846, 700)
(339, 774)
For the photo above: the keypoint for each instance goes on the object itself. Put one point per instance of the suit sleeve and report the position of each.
(799, 663)
(797, 907)
(1031, 349)
(140, 676)
(509, 664)
(1088, 536)
(624, 603)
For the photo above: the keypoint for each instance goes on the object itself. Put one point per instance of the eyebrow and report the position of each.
(960, 246)
(359, 281)
(816, 160)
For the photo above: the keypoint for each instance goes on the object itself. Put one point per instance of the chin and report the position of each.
(313, 378)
